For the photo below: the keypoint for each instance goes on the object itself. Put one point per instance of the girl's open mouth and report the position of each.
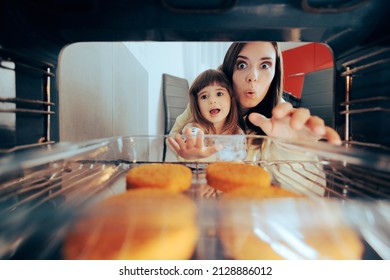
(214, 111)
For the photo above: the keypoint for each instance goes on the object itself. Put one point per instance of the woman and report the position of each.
(255, 70)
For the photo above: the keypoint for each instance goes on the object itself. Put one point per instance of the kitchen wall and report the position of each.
(309, 76)
(302, 60)
(98, 86)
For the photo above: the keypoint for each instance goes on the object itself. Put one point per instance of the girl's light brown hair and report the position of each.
(208, 78)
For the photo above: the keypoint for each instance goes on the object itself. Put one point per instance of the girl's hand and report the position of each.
(296, 124)
(191, 148)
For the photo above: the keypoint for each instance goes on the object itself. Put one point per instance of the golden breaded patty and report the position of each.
(339, 243)
(167, 176)
(289, 228)
(227, 176)
(143, 224)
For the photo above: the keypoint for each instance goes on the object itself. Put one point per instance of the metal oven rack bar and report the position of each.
(29, 104)
(81, 181)
(362, 72)
(340, 180)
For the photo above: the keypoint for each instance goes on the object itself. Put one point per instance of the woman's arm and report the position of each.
(296, 124)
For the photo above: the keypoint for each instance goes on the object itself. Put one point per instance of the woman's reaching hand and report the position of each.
(296, 124)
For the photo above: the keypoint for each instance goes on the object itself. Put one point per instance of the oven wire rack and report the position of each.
(59, 182)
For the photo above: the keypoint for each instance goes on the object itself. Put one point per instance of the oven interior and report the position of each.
(41, 176)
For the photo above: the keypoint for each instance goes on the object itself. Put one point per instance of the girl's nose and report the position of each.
(212, 100)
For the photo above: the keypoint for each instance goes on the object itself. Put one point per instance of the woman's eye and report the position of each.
(241, 65)
(265, 66)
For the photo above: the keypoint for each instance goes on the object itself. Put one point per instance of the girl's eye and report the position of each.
(219, 93)
(241, 65)
(203, 97)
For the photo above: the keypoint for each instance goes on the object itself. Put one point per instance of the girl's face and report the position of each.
(253, 73)
(214, 104)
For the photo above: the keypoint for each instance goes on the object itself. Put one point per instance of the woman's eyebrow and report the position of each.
(262, 58)
(242, 56)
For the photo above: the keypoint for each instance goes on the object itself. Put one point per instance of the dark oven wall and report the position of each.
(33, 33)
(363, 101)
(29, 115)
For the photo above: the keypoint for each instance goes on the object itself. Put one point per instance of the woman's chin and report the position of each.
(249, 103)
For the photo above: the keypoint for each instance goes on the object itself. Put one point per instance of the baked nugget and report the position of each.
(140, 224)
(228, 176)
(167, 176)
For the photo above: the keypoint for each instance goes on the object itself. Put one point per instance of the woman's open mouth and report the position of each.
(250, 94)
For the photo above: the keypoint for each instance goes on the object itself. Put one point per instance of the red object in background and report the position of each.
(294, 84)
(302, 60)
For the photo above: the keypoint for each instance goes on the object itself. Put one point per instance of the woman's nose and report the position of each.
(252, 76)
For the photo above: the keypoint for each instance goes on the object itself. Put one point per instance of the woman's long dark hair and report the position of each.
(275, 90)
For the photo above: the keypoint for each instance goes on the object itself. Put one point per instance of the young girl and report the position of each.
(213, 106)
(214, 110)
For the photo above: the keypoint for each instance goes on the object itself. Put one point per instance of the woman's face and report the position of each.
(253, 73)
